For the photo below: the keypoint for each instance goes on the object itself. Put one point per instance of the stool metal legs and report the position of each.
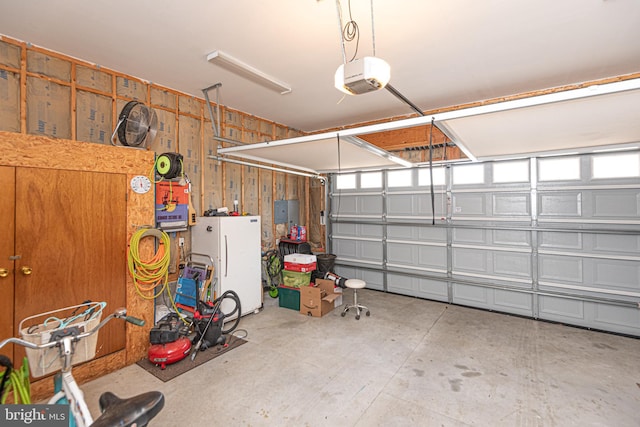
(358, 307)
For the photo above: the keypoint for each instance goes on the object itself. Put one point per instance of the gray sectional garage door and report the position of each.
(555, 238)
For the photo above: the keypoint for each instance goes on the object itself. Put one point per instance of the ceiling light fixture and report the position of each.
(247, 71)
(358, 76)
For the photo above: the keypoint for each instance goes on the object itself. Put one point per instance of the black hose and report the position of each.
(234, 296)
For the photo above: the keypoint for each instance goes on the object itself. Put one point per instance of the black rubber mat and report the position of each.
(186, 364)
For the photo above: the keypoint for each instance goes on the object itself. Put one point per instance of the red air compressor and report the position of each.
(168, 353)
(167, 344)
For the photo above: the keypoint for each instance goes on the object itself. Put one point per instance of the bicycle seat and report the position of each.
(136, 410)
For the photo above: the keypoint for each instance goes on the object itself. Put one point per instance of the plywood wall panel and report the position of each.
(46, 152)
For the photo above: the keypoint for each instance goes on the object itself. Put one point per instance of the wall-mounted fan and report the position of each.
(137, 125)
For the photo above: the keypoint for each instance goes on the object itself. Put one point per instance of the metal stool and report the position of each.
(355, 284)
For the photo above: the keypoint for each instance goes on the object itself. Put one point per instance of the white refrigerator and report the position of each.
(234, 243)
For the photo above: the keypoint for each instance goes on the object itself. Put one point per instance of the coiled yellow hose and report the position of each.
(149, 274)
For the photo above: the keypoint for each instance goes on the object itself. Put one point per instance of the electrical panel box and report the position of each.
(286, 212)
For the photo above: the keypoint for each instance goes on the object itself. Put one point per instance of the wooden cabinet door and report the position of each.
(69, 233)
(7, 226)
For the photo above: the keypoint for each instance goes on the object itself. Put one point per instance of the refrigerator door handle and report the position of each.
(226, 256)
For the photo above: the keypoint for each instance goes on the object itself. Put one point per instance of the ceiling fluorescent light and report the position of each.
(247, 71)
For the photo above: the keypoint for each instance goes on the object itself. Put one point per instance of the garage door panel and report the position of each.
(470, 236)
(404, 254)
(370, 231)
(615, 204)
(502, 238)
(469, 260)
(423, 205)
(560, 268)
(623, 318)
(373, 279)
(512, 238)
(561, 309)
(502, 300)
(493, 263)
(346, 229)
(417, 234)
(565, 204)
(510, 204)
(513, 302)
(475, 296)
(556, 243)
(346, 205)
(417, 287)
(357, 231)
(595, 315)
(400, 204)
(345, 248)
(557, 240)
(512, 264)
(616, 274)
(470, 204)
(616, 244)
(370, 251)
(371, 205)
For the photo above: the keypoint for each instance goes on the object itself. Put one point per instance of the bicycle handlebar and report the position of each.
(120, 313)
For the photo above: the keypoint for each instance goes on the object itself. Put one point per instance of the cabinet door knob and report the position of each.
(4, 272)
(26, 270)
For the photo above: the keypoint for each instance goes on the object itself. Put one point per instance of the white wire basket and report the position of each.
(38, 329)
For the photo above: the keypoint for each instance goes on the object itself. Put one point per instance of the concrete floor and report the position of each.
(412, 363)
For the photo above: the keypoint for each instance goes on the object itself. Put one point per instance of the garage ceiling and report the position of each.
(442, 53)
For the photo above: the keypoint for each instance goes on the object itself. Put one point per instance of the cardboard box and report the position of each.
(336, 290)
(300, 258)
(320, 299)
(302, 268)
(295, 279)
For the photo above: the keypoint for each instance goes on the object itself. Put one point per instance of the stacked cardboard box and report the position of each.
(297, 269)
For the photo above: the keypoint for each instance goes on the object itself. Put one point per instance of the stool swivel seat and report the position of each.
(355, 284)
